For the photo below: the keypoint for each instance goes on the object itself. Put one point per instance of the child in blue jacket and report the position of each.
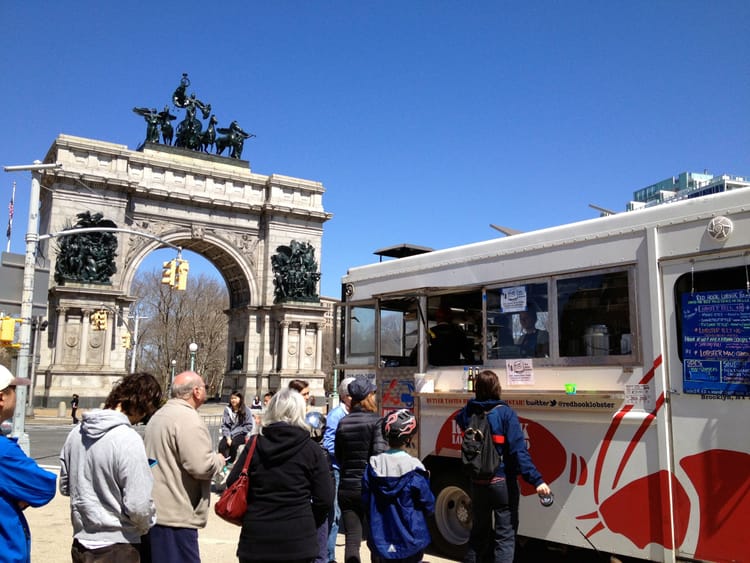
(397, 497)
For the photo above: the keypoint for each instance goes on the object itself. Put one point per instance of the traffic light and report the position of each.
(169, 273)
(8, 332)
(182, 274)
(99, 320)
(126, 341)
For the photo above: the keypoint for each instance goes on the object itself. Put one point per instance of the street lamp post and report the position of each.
(193, 347)
(27, 296)
(171, 377)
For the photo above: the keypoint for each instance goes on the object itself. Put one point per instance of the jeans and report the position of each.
(335, 517)
(498, 499)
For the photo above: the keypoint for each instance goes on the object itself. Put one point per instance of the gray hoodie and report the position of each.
(105, 472)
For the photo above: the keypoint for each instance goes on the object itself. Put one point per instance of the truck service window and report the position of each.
(593, 315)
(517, 321)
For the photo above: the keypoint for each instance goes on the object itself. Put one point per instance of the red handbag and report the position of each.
(233, 502)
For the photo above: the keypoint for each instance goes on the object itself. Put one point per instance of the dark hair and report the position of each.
(298, 385)
(137, 393)
(487, 386)
(241, 407)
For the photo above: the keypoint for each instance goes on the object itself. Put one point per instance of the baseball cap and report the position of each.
(360, 388)
(7, 379)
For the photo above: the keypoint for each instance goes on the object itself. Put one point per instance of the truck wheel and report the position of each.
(451, 524)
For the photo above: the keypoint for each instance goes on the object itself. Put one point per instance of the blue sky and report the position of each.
(425, 120)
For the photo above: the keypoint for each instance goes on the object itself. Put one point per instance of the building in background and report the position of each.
(684, 186)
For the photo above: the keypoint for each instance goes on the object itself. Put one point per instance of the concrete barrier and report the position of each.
(62, 409)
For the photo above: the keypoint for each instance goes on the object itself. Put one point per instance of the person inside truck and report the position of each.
(449, 345)
(533, 342)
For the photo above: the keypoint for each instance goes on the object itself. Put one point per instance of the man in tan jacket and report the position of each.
(179, 441)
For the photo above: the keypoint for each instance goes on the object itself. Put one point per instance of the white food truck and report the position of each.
(634, 395)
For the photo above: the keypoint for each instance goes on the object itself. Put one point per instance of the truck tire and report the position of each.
(451, 524)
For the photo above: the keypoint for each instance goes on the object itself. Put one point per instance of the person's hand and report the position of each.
(543, 489)
(229, 441)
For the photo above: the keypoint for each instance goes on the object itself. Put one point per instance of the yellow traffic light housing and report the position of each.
(169, 273)
(182, 274)
(8, 332)
(126, 341)
(99, 320)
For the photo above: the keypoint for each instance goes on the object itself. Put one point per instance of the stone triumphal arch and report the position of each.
(213, 205)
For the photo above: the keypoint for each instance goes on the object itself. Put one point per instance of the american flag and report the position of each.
(11, 207)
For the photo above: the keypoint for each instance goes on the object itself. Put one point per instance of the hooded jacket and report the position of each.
(232, 427)
(21, 480)
(397, 499)
(105, 472)
(290, 495)
(516, 459)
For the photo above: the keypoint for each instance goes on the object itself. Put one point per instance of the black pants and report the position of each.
(115, 553)
(353, 518)
(230, 451)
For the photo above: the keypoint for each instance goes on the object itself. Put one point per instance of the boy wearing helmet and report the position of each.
(396, 495)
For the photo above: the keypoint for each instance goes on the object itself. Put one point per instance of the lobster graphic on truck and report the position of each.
(634, 395)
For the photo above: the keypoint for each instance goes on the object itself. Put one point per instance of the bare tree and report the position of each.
(174, 319)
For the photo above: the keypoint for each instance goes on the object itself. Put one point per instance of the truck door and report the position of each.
(707, 328)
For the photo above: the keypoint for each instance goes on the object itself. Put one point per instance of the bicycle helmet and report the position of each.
(317, 423)
(399, 426)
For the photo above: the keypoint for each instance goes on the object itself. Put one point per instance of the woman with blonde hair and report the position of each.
(358, 437)
(291, 488)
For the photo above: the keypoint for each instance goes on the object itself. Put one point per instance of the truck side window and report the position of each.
(517, 321)
(361, 322)
(593, 315)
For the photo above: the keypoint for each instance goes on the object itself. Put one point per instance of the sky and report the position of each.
(426, 121)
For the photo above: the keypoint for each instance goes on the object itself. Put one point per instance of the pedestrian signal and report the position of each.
(169, 273)
(182, 274)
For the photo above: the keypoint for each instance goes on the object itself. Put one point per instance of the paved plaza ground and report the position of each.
(51, 531)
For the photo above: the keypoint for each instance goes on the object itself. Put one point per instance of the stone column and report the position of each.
(284, 343)
(59, 336)
(85, 327)
(108, 340)
(301, 347)
(319, 346)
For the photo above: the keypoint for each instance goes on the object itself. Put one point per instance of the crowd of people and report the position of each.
(136, 499)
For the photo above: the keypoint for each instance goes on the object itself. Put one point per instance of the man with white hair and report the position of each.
(22, 482)
(329, 440)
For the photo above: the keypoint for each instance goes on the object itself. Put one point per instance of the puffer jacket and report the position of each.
(358, 437)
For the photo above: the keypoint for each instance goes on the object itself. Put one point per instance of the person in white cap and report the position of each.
(22, 482)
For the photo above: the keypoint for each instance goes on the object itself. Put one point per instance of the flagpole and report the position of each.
(11, 209)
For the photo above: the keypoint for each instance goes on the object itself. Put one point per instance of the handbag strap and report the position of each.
(254, 440)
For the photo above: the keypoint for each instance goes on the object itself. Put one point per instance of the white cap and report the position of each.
(7, 379)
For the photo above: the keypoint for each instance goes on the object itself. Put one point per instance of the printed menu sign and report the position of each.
(716, 342)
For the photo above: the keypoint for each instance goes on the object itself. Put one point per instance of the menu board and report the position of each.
(716, 342)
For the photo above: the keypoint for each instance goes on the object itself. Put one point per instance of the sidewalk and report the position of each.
(52, 535)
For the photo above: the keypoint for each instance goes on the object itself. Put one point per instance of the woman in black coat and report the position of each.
(358, 437)
(291, 487)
